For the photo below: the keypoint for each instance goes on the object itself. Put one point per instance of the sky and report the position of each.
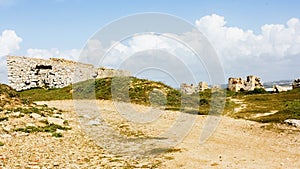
(257, 37)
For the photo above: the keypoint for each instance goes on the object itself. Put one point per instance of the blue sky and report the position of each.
(68, 24)
(59, 26)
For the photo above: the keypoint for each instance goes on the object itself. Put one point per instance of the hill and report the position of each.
(9, 97)
(126, 89)
(20, 115)
(257, 106)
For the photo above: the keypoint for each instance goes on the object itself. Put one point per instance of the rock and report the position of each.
(15, 114)
(20, 134)
(32, 163)
(74, 166)
(30, 125)
(6, 128)
(60, 131)
(93, 123)
(2, 157)
(56, 121)
(293, 122)
(5, 135)
(57, 115)
(35, 116)
(55, 164)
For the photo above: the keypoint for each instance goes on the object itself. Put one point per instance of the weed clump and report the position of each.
(50, 128)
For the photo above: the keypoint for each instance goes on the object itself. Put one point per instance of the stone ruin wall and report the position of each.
(26, 73)
(191, 89)
(238, 84)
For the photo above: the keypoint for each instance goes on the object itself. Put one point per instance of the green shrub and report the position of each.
(50, 128)
(203, 102)
(257, 91)
(58, 135)
(3, 118)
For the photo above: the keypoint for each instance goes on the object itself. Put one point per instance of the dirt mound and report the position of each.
(9, 97)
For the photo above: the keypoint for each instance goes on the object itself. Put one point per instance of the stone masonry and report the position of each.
(191, 89)
(238, 84)
(26, 73)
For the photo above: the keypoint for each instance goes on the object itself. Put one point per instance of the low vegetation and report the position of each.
(15, 107)
(259, 107)
(49, 128)
(146, 92)
(9, 97)
(42, 110)
(128, 89)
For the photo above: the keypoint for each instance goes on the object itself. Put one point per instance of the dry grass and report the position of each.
(287, 105)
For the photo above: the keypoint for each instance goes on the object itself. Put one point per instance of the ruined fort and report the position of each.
(26, 73)
(191, 88)
(249, 84)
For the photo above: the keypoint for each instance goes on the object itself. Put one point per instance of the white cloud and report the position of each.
(53, 53)
(121, 51)
(164, 52)
(9, 42)
(275, 40)
(244, 52)
(272, 53)
(92, 52)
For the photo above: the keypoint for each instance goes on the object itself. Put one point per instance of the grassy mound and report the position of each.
(127, 89)
(9, 97)
(285, 104)
(17, 112)
(147, 92)
(140, 91)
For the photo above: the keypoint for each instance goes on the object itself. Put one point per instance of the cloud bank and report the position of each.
(9, 43)
(272, 54)
(275, 40)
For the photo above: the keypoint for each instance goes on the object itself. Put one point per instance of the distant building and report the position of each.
(191, 88)
(239, 84)
(202, 86)
(188, 88)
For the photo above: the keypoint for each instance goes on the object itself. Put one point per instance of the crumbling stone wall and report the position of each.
(191, 88)
(238, 84)
(26, 73)
(202, 86)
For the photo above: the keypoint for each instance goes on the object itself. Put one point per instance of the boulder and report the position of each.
(293, 122)
(56, 121)
(35, 116)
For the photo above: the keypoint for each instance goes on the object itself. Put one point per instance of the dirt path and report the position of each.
(234, 144)
(241, 104)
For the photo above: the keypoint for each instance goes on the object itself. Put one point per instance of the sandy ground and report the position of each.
(235, 143)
